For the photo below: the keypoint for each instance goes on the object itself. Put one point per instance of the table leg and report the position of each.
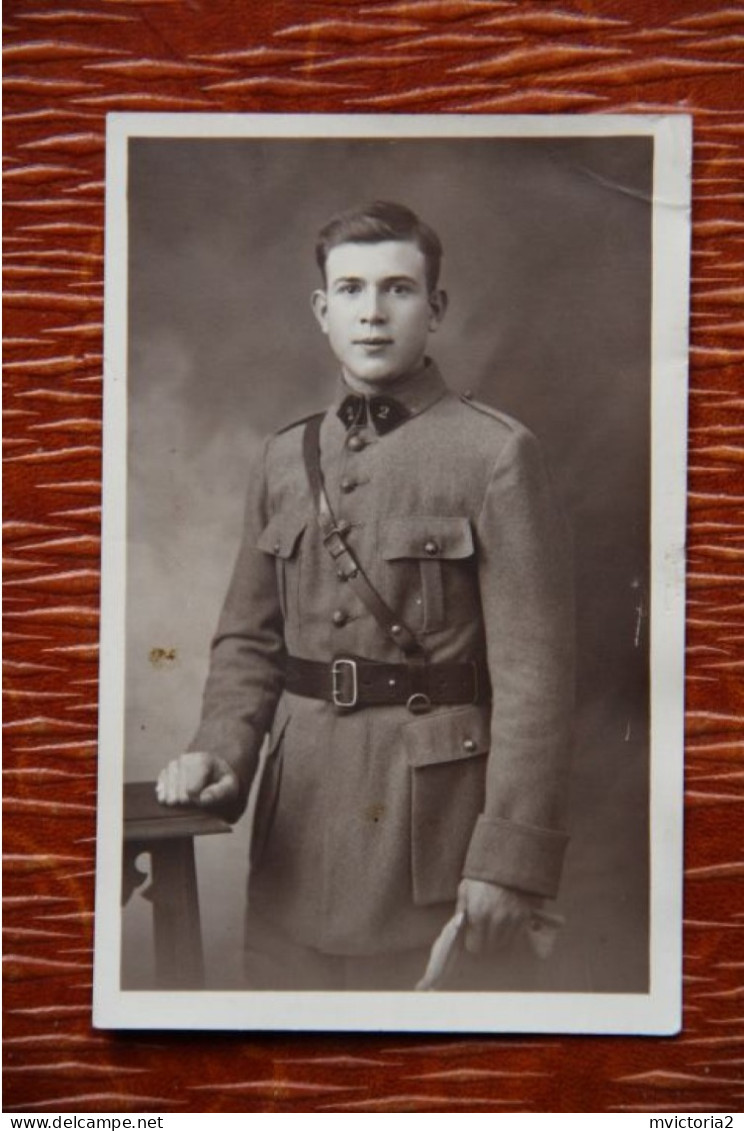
(131, 876)
(179, 959)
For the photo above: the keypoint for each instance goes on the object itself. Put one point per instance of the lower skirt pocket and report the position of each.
(447, 754)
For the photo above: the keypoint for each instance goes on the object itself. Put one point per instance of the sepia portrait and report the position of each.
(394, 456)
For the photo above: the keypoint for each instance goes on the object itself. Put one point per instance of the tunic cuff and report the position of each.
(524, 857)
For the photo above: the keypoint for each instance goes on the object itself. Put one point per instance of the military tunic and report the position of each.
(366, 821)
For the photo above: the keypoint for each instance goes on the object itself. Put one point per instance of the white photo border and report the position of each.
(659, 1010)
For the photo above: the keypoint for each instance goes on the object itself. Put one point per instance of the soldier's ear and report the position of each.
(319, 302)
(438, 304)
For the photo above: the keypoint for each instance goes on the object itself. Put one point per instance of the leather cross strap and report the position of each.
(348, 568)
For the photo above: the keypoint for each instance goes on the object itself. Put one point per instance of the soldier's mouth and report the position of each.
(373, 342)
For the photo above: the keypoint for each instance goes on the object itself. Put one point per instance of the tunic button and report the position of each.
(277, 547)
(356, 443)
(396, 629)
(470, 745)
(431, 547)
(340, 618)
(347, 485)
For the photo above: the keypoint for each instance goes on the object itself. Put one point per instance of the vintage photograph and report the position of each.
(393, 573)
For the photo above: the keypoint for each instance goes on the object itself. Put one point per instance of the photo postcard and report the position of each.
(391, 716)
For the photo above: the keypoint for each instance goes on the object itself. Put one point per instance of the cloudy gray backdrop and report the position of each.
(548, 267)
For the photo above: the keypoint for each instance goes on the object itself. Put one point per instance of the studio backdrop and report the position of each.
(547, 263)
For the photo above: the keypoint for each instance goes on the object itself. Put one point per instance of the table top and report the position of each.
(145, 819)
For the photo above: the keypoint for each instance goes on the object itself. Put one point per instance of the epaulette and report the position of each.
(297, 423)
(488, 410)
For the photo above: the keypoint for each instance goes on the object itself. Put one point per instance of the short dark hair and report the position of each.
(373, 223)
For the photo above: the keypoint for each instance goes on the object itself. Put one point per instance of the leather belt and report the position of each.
(350, 683)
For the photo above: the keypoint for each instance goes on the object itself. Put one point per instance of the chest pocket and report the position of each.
(281, 539)
(431, 571)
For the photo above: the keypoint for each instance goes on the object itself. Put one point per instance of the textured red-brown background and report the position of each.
(67, 65)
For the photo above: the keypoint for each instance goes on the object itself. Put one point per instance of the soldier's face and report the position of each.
(377, 309)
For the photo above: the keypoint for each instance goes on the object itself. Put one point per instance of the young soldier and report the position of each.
(400, 621)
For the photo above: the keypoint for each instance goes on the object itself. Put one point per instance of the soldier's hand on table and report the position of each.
(495, 915)
(198, 779)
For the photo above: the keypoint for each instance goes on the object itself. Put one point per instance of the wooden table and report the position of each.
(167, 834)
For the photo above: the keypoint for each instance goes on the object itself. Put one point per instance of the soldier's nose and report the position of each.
(373, 314)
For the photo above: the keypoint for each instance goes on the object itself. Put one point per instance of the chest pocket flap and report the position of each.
(281, 536)
(429, 538)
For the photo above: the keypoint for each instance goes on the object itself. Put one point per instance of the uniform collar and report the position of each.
(415, 392)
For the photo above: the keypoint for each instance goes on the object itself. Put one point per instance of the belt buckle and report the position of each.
(337, 668)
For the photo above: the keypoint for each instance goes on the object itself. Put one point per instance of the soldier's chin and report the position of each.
(375, 370)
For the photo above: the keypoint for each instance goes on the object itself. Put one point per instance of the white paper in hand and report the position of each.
(541, 932)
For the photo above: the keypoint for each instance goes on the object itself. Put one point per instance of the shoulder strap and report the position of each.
(311, 456)
(296, 423)
(347, 566)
